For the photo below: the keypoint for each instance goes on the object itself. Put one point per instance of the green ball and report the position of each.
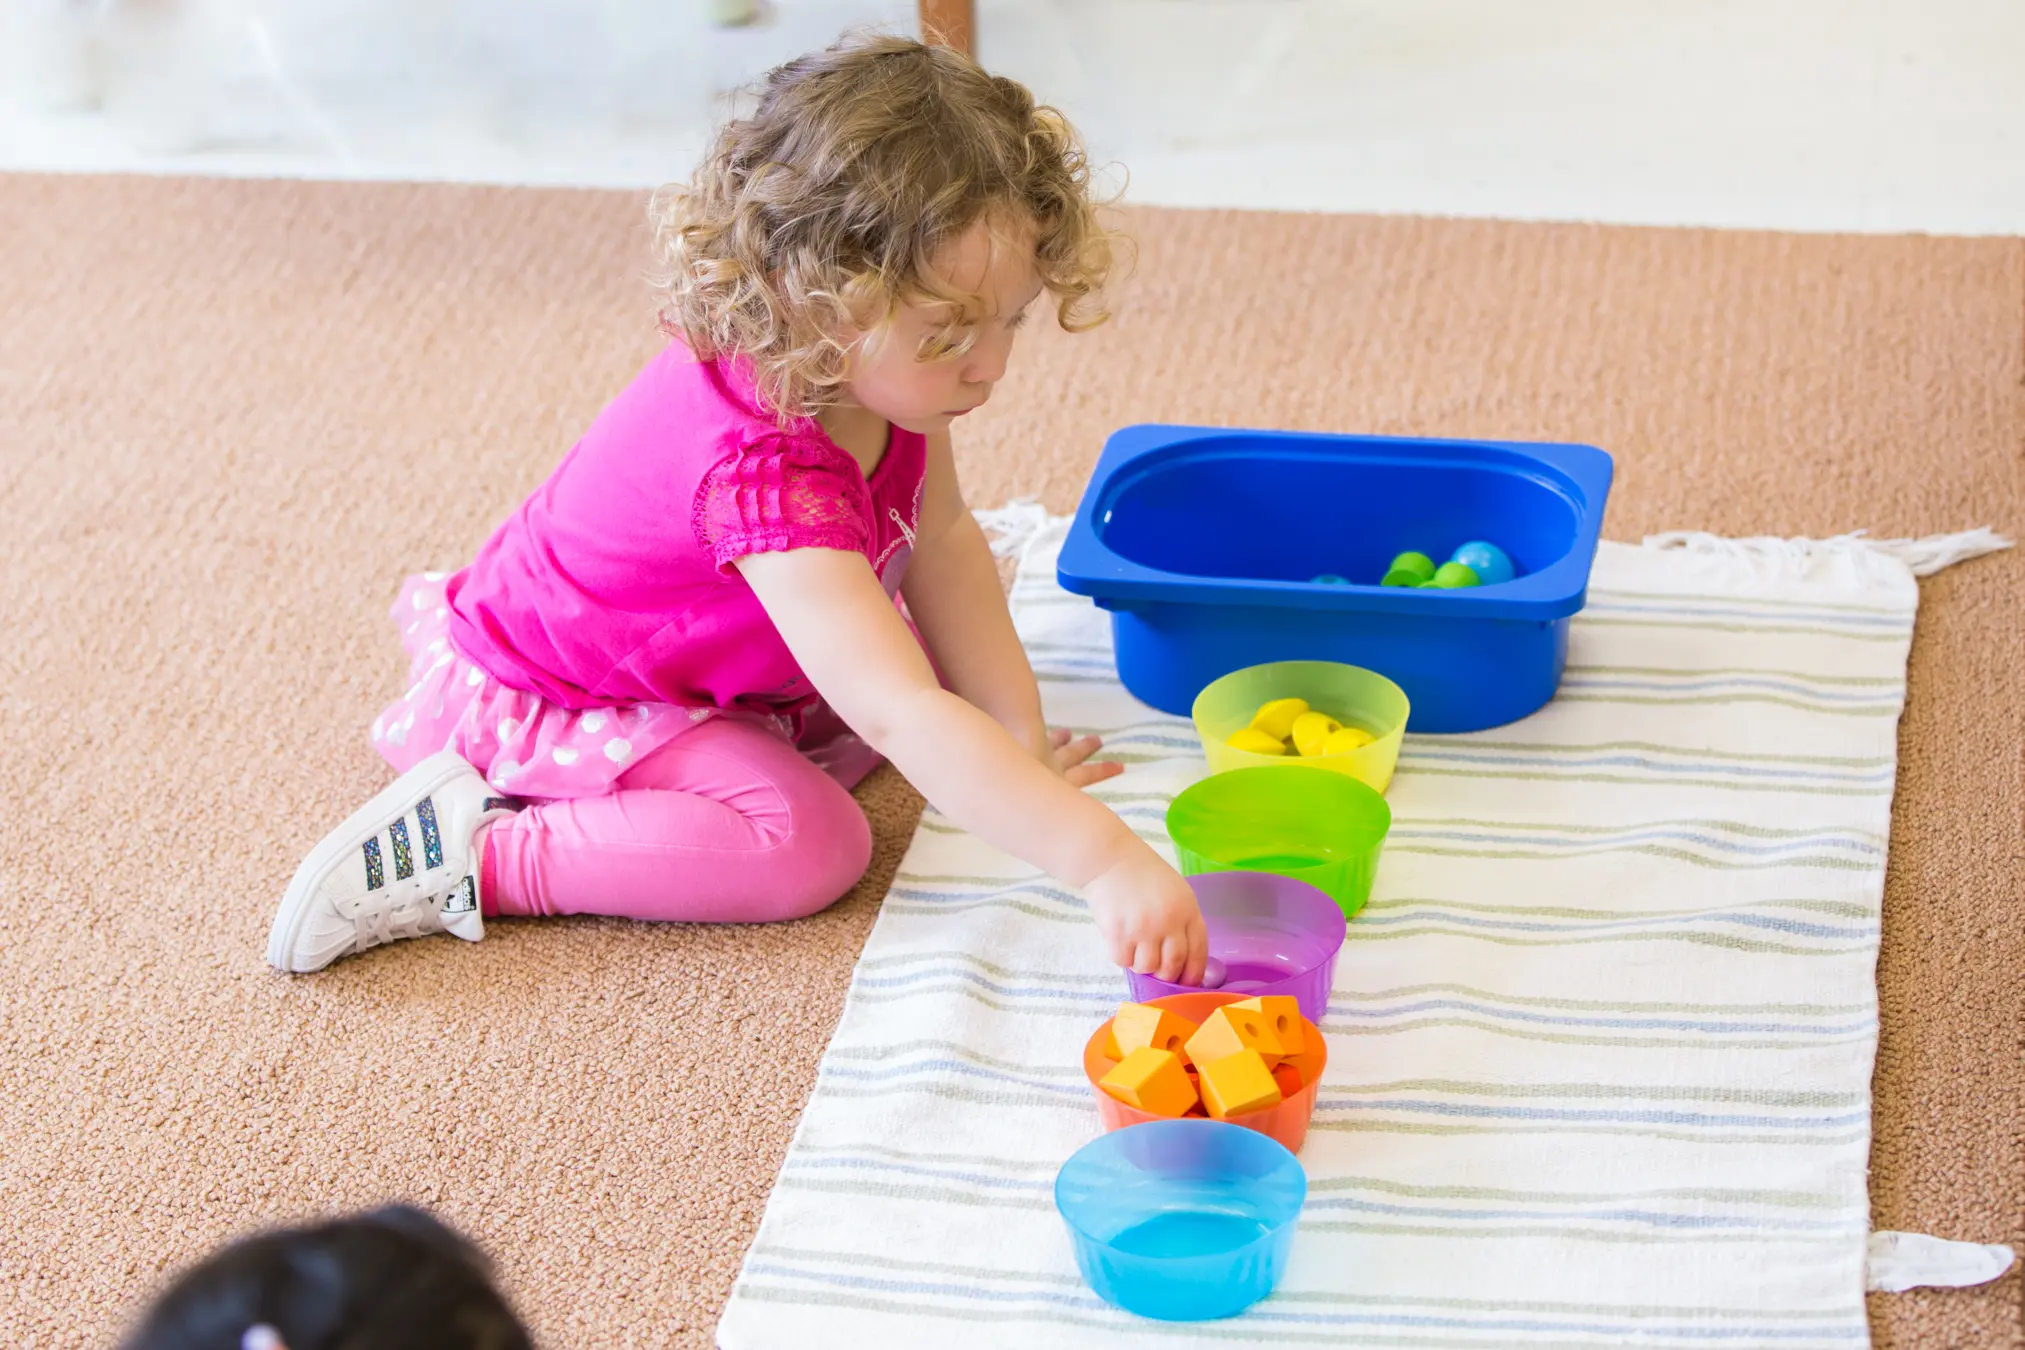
(1453, 576)
(1419, 564)
(1399, 576)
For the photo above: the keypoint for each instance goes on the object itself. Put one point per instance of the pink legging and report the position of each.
(724, 824)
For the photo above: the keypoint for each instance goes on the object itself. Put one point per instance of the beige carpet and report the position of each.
(233, 414)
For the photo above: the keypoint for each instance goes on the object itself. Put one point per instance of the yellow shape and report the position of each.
(1256, 742)
(1230, 1029)
(1139, 1025)
(1312, 731)
(1276, 719)
(1282, 1013)
(1153, 1081)
(1345, 739)
(1238, 1083)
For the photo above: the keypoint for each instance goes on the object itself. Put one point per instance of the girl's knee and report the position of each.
(825, 856)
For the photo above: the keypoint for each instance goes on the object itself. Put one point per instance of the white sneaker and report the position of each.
(401, 867)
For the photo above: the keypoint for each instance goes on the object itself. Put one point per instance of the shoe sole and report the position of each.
(423, 780)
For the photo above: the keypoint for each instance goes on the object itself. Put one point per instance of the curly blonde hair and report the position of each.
(824, 210)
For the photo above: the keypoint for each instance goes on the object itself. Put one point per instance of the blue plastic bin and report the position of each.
(1202, 542)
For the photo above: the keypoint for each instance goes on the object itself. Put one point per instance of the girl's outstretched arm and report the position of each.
(842, 628)
(953, 594)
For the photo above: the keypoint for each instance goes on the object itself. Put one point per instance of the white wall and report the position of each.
(1798, 114)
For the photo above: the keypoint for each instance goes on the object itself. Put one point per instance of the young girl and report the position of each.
(394, 1279)
(650, 693)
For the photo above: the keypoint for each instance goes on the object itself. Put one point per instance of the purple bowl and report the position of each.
(1273, 934)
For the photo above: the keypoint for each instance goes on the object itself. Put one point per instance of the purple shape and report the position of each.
(1272, 934)
(1214, 973)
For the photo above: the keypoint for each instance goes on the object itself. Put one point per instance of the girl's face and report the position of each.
(889, 379)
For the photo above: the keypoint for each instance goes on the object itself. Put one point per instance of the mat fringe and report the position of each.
(1014, 525)
(1923, 557)
(1901, 1261)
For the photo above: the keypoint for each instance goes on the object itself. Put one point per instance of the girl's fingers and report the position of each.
(1174, 959)
(1059, 737)
(1146, 959)
(1198, 951)
(1083, 775)
(1071, 753)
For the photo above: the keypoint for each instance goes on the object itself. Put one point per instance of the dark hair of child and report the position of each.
(391, 1279)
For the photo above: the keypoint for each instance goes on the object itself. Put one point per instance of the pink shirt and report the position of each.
(612, 584)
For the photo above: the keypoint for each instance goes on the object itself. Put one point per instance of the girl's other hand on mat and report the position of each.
(1148, 918)
(1070, 755)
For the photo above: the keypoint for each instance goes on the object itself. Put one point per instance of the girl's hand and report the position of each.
(1148, 918)
(1069, 754)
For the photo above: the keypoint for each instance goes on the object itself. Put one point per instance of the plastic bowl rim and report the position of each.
(1229, 997)
(1384, 830)
(1300, 1173)
(1396, 733)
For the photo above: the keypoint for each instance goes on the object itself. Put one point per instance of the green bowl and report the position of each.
(1322, 828)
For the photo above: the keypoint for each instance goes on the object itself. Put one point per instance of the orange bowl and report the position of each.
(1286, 1122)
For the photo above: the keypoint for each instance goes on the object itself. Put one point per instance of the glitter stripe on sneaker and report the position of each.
(376, 875)
(404, 860)
(432, 839)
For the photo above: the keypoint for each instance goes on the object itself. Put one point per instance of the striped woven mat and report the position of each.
(1600, 1044)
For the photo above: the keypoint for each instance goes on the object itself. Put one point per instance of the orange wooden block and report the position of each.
(1152, 1081)
(1308, 1063)
(1139, 1025)
(1282, 1012)
(1238, 1083)
(1230, 1029)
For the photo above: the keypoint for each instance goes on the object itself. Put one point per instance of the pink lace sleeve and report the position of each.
(775, 496)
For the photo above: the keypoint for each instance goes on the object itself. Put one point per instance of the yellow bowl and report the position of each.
(1352, 695)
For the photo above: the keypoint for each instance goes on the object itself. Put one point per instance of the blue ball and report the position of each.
(1488, 561)
(1328, 579)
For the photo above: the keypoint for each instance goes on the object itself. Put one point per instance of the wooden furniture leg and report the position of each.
(953, 23)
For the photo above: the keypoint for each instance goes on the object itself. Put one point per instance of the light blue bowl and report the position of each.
(1182, 1220)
